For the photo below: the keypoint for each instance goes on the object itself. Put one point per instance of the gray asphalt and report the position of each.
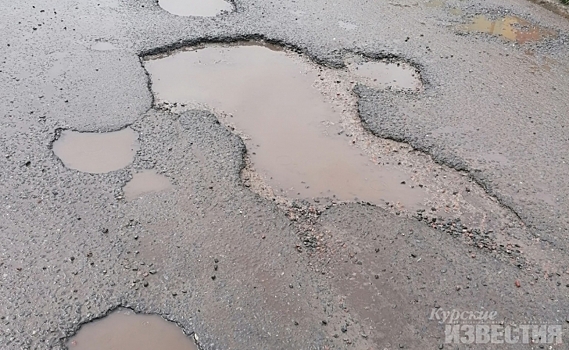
(73, 250)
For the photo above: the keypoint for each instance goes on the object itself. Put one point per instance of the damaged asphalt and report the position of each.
(234, 268)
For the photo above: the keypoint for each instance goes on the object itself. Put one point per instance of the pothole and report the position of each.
(293, 134)
(126, 330)
(306, 142)
(144, 182)
(96, 153)
(384, 75)
(511, 28)
(200, 8)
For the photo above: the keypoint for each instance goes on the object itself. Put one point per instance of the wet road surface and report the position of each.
(175, 198)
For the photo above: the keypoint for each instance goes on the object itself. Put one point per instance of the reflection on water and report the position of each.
(511, 28)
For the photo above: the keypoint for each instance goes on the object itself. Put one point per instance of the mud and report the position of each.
(145, 182)
(511, 28)
(125, 330)
(291, 131)
(96, 153)
(200, 8)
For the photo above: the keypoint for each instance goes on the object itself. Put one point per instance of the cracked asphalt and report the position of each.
(236, 268)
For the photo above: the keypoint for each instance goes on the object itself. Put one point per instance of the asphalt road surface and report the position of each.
(204, 237)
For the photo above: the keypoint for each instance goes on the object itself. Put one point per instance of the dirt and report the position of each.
(126, 330)
(96, 153)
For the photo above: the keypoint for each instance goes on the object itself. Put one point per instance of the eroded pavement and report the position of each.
(221, 171)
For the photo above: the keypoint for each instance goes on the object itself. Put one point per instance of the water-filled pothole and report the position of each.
(511, 28)
(96, 153)
(292, 132)
(144, 182)
(396, 75)
(304, 136)
(126, 330)
(201, 8)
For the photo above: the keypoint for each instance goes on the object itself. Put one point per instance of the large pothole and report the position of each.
(126, 330)
(292, 133)
(305, 139)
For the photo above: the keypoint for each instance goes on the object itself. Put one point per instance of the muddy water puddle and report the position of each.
(511, 28)
(305, 138)
(291, 131)
(96, 153)
(201, 8)
(145, 182)
(126, 330)
(399, 76)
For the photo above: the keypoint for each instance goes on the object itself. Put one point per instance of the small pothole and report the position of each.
(384, 75)
(126, 330)
(511, 28)
(145, 182)
(94, 152)
(200, 8)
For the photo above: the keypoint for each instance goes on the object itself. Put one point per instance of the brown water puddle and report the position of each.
(201, 8)
(400, 76)
(288, 126)
(96, 153)
(145, 182)
(511, 28)
(125, 330)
